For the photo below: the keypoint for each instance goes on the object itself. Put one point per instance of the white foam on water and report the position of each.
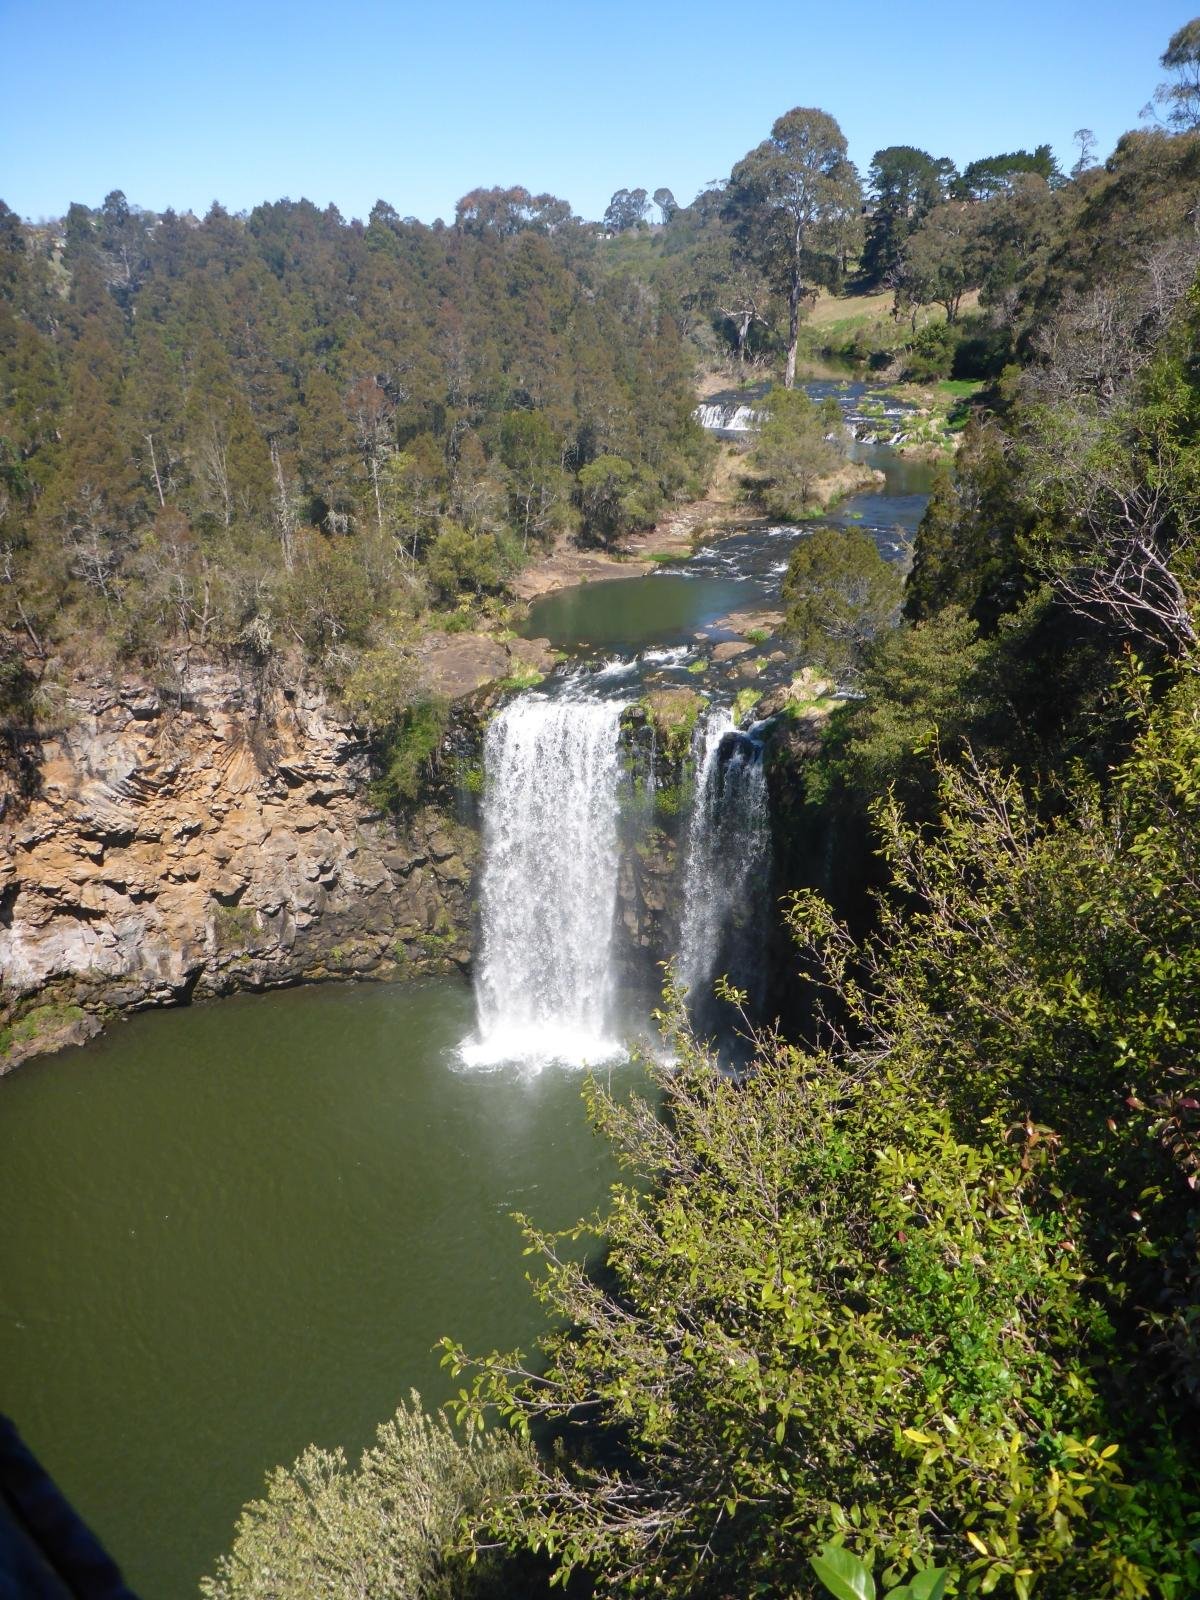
(616, 667)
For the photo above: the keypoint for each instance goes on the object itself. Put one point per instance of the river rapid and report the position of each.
(237, 1228)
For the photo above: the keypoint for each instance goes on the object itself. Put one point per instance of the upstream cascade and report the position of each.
(544, 986)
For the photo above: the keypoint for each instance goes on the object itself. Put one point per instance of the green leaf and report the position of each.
(843, 1574)
(928, 1585)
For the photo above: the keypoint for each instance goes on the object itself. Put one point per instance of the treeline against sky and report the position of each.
(990, 248)
(269, 431)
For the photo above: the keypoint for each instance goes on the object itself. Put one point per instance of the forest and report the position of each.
(912, 1305)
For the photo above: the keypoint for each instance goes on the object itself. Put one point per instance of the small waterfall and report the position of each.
(725, 875)
(544, 983)
(722, 417)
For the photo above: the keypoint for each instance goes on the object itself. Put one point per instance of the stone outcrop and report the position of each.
(656, 735)
(214, 838)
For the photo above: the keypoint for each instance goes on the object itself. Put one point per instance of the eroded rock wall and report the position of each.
(213, 839)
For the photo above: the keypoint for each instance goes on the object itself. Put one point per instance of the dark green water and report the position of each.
(631, 614)
(234, 1229)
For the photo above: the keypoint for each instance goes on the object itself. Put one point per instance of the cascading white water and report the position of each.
(722, 417)
(544, 984)
(728, 855)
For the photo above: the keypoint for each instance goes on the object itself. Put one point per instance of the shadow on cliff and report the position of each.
(20, 740)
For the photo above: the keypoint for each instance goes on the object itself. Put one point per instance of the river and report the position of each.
(237, 1228)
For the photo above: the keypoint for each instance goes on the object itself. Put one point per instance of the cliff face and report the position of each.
(215, 839)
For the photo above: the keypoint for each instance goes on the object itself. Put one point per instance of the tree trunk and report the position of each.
(283, 510)
(375, 485)
(789, 378)
(29, 629)
(743, 331)
(154, 469)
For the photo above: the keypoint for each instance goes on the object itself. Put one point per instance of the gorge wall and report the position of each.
(216, 838)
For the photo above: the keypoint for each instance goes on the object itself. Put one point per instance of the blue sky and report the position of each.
(180, 102)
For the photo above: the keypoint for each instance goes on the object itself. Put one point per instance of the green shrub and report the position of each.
(459, 559)
(839, 592)
(931, 354)
(616, 498)
(826, 1317)
(673, 714)
(390, 1528)
(409, 751)
(524, 675)
(234, 927)
(744, 703)
(471, 777)
(672, 799)
(41, 1023)
(793, 452)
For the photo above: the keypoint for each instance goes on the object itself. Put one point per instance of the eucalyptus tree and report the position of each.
(510, 211)
(942, 260)
(1182, 58)
(625, 210)
(795, 202)
(666, 203)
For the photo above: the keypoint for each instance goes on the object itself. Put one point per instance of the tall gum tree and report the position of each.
(1182, 97)
(796, 203)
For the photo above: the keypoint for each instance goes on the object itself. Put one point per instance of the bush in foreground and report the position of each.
(388, 1529)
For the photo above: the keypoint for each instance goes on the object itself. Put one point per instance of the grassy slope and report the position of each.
(836, 319)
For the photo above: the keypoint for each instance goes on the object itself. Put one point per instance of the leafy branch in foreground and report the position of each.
(848, 1578)
(829, 1318)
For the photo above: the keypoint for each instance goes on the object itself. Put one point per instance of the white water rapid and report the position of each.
(544, 985)
(728, 858)
(721, 417)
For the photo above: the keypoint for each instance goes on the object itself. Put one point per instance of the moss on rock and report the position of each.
(44, 1029)
(673, 713)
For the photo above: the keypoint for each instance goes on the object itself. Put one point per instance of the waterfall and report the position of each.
(723, 417)
(544, 981)
(725, 874)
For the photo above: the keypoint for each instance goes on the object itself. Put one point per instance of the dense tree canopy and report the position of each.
(256, 433)
(904, 184)
(993, 175)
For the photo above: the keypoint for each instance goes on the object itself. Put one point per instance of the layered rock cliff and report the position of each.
(214, 838)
